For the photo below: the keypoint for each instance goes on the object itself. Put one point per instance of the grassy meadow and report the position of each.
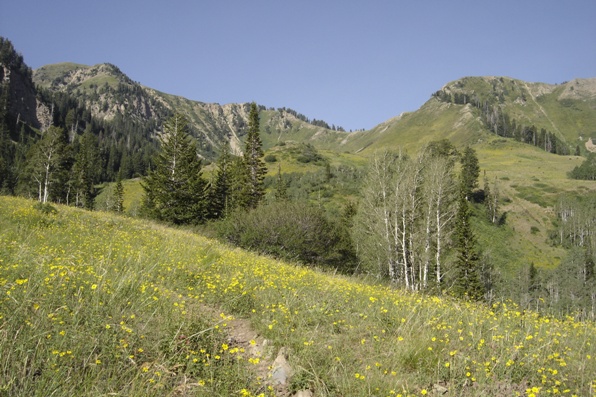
(92, 303)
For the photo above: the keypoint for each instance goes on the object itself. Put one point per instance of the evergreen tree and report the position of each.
(175, 189)
(281, 190)
(6, 159)
(253, 160)
(86, 171)
(238, 197)
(220, 191)
(470, 171)
(467, 282)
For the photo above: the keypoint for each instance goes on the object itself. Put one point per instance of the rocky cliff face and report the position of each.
(103, 89)
(21, 98)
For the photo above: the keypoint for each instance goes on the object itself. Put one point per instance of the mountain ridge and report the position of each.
(103, 88)
(530, 103)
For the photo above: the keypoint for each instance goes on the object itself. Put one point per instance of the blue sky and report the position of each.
(351, 63)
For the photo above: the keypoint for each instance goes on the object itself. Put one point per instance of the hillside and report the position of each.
(92, 303)
(110, 94)
(455, 112)
(530, 179)
(515, 127)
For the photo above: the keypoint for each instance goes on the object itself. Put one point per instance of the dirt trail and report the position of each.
(271, 363)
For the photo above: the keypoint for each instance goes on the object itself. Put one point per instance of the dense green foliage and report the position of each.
(467, 280)
(498, 121)
(294, 231)
(470, 171)
(93, 150)
(587, 169)
(175, 189)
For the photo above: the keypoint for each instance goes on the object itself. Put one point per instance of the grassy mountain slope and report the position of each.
(567, 110)
(411, 131)
(92, 303)
(529, 182)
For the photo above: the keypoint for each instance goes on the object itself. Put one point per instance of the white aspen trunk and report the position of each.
(404, 249)
(39, 184)
(427, 244)
(46, 183)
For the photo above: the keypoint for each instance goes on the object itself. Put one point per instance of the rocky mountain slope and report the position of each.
(109, 94)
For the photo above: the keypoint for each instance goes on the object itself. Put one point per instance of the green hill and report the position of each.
(92, 304)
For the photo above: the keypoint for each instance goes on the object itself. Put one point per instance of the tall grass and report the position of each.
(95, 304)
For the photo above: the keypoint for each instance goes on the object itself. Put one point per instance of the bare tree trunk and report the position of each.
(46, 183)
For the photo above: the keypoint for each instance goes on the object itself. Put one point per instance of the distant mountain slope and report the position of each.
(466, 111)
(472, 109)
(110, 94)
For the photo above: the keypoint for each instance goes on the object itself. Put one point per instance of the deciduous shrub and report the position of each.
(292, 231)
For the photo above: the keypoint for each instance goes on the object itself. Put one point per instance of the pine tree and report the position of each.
(281, 190)
(85, 170)
(468, 281)
(253, 160)
(6, 159)
(238, 197)
(470, 171)
(220, 192)
(175, 189)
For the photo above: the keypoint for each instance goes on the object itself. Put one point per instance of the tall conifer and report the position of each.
(470, 171)
(468, 281)
(175, 189)
(220, 194)
(253, 160)
(119, 194)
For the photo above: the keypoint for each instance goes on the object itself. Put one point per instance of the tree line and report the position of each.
(413, 223)
(586, 170)
(570, 288)
(500, 123)
(315, 122)
(70, 152)
(233, 201)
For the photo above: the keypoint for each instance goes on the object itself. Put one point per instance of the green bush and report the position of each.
(293, 231)
(270, 158)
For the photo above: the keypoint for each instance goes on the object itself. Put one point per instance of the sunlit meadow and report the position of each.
(97, 304)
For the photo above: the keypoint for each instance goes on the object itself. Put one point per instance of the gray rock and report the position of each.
(303, 393)
(281, 370)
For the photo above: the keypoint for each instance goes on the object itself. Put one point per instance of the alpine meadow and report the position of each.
(151, 245)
